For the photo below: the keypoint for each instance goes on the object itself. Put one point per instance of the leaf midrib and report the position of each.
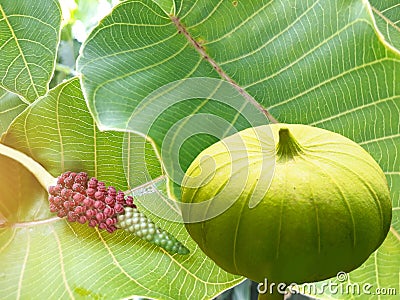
(182, 29)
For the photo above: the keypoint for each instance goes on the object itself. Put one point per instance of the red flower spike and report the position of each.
(78, 198)
(109, 200)
(86, 201)
(66, 193)
(79, 210)
(81, 178)
(111, 221)
(91, 213)
(100, 217)
(53, 208)
(52, 190)
(111, 228)
(119, 208)
(57, 189)
(57, 200)
(82, 219)
(112, 192)
(101, 187)
(120, 197)
(92, 183)
(93, 223)
(72, 216)
(69, 181)
(108, 211)
(61, 213)
(90, 192)
(90, 201)
(99, 196)
(99, 205)
(129, 202)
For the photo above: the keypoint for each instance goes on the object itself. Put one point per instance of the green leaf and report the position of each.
(29, 35)
(59, 133)
(322, 63)
(10, 107)
(387, 15)
(43, 256)
(16, 184)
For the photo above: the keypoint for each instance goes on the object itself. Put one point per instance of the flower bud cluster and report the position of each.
(137, 223)
(87, 201)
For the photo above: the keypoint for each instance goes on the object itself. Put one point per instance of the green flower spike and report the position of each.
(137, 223)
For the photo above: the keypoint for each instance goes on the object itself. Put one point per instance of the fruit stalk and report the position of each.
(287, 147)
(45, 178)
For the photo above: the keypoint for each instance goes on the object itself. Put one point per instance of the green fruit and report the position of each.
(290, 203)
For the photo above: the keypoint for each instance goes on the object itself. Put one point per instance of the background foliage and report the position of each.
(331, 64)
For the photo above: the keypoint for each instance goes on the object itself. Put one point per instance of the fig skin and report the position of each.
(326, 209)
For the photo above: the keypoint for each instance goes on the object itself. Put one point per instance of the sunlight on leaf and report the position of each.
(73, 260)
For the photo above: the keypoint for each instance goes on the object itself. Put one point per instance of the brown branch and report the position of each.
(219, 70)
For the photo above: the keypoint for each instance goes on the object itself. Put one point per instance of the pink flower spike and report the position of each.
(108, 211)
(99, 205)
(88, 202)
(90, 192)
(53, 208)
(119, 208)
(57, 200)
(99, 195)
(100, 217)
(110, 201)
(79, 210)
(110, 221)
(111, 228)
(120, 197)
(101, 187)
(112, 192)
(82, 219)
(91, 213)
(129, 201)
(93, 223)
(79, 198)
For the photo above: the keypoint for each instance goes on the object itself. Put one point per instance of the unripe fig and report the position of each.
(326, 208)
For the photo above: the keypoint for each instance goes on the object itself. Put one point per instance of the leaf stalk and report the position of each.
(41, 174)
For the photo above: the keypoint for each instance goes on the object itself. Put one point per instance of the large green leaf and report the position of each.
(312, 62)
(387, 14)
(42, 256)
(29, 34)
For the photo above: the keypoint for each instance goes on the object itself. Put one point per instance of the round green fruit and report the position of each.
(289, 203)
